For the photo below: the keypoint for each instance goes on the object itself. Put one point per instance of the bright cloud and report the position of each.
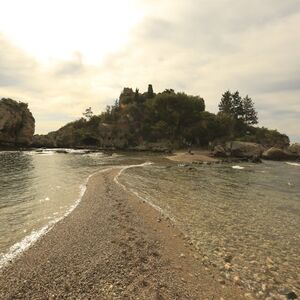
(63, 56)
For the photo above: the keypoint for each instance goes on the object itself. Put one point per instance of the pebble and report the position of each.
(236, 280)
(228, 267)
(291, 296)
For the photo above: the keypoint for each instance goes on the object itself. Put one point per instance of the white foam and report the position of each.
(156, 207)
(293, 164)
(19, 247)
(238, 167)
(24, 244)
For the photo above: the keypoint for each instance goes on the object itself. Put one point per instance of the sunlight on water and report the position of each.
(38, 188)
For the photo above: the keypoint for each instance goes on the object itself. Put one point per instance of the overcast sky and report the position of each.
(62, 56)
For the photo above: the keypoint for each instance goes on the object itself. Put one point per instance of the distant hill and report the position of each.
(167, 119)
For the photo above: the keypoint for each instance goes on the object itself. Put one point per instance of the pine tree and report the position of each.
(237, 105)
(226, 105)
(250, 114)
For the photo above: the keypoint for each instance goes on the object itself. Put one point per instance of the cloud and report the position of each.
(202, 47)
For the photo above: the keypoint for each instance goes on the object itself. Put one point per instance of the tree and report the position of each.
(150, 93)
(240, 109)
(250, 114)
(226, 105)
(237, 106)
(88, 113)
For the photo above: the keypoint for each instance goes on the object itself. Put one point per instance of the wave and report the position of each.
(238, 167)
(30, 239)
(156, 207)
(19, 247)
(293, 164)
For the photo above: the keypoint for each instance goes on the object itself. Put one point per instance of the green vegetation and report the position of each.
(238, 108)
(168, 117)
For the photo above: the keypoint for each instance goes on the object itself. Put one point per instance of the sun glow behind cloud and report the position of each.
(54, 29)
(62, 56)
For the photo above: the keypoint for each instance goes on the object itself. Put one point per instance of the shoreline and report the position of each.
(112, 246)
(196, 156)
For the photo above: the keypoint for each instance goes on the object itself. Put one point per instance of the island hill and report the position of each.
(165, 121)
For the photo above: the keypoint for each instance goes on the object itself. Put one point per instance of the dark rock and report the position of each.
(160, 147)
(255, 159)
(61, 151)
(294, 149)
(243, 149)
(219, 151)
(16, 123)
(278, 154)
(291, 296)
(228, 258)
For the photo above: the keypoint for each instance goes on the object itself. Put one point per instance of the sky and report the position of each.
(62, 56)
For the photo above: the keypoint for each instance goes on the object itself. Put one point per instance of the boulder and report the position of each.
(16, 123)
(244, 149)
(294, 149)
(278, 154)
(219, 151)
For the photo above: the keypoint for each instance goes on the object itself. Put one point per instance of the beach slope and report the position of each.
(112, 246)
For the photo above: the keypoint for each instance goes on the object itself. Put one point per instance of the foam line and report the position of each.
(19, 247)
(156, 207)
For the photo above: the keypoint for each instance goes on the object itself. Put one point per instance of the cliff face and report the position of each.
(16, 123)
(80, 134)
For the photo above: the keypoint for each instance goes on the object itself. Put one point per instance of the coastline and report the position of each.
(196, 156)
(112, 246)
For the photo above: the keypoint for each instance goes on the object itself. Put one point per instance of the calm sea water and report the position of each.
(244, 220)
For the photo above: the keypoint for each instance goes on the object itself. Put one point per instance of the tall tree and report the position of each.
(237, 106)
(250, 114)
(226, 105)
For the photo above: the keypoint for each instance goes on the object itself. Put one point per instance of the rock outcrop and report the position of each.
(294, 149)
(278, 154)
(16, 123)
(78, 134)
(238, 149)
(244, 149)
(219, 151)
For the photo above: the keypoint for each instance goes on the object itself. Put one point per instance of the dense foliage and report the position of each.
(176, 118)
(238, 107)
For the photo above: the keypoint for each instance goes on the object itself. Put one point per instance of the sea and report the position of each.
(242, 219)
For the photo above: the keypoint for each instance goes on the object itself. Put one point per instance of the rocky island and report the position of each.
(162, 122)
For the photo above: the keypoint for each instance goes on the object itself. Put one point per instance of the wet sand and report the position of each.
(196, 156)
(113, 246)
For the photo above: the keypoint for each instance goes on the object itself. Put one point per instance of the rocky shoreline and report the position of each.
(113, 246)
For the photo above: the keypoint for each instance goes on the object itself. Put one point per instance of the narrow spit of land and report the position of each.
(113, 246)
